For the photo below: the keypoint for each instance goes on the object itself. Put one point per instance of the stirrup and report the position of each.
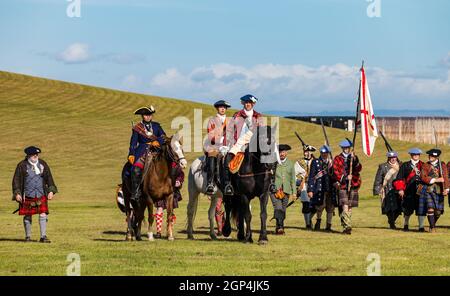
(210, 188)
(229, 190)
(272, 188)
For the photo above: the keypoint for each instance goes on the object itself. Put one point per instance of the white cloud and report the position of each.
(131, 82)
(300, 88)
(75, 53)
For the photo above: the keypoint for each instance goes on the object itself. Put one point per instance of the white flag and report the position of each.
(368, 124)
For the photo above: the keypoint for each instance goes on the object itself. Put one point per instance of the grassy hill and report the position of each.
(84, 134)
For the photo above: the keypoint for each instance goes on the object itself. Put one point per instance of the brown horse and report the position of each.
(158, 184)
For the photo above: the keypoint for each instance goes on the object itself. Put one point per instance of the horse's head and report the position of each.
(175, 149)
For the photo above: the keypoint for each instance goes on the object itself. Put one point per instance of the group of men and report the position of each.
(413, 187)
(321, 183)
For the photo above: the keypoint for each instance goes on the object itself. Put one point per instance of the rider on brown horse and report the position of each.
(146, 135)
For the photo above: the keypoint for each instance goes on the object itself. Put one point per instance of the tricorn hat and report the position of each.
(434, 152)
(309, 148)
(222, 103)
(145, 110)
(284, 147)
(32, 150)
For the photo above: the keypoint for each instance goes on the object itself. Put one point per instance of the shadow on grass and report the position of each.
(114, 232)
(14, 240)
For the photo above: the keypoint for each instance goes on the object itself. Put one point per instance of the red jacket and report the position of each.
(237, 122)
(341, 171)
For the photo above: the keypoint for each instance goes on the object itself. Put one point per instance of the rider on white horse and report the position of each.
(217, 127)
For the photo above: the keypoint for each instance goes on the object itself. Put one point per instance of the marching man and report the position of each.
(302, 169)
(347, 182)
(407, 182)
(285, 184)
(383, 186)
(320, 189)
(32, 188)
(435, 175)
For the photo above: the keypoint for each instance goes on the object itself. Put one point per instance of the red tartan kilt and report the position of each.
(29, 206)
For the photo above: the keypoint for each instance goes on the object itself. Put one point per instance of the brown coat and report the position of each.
(18, 181)
(428, 173)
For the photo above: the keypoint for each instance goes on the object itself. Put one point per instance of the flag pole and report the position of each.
(354, 132)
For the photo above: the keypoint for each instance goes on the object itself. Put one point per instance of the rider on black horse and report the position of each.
(242, 121)
(146, 135)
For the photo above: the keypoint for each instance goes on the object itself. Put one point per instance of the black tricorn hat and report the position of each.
(222, 103)
(434, 152)
(284, 147)
(145, 110)
(32, 150)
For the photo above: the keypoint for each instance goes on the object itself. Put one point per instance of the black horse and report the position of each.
(252, 180)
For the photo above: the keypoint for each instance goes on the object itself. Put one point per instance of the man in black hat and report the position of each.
(32, 187)
(285, 185)
(434, 175)
(146, 135)
(215, 141)
(302, 169)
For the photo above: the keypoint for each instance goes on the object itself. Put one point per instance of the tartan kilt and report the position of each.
(430, 200)
(33, 206)
(344, 199)
(410, 203)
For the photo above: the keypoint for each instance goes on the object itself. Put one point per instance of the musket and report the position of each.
(304, 144)
(388, 146)
(436, 145)
(326, 137)
(300, 139)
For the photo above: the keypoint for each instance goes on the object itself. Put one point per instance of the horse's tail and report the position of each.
(193, 201)
(234, 211)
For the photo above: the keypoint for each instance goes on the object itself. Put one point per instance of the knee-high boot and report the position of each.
(136, 179)
(228, 190)
(210, 169)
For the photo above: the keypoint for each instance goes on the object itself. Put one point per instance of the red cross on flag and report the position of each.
(369, 131)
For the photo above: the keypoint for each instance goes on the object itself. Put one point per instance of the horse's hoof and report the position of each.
(249, 241)
(263, 242)
(138, 238)
(129, 238)
(190, 236)
(171, 238)
(150, 236)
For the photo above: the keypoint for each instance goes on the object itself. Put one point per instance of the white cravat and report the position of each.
(35, 166)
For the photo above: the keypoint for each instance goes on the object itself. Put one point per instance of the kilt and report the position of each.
(345, 200)
(391, 203)
(176, 198)
(431, 200)
(33, 206)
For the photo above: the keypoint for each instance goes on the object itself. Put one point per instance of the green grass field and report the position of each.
(84, 134)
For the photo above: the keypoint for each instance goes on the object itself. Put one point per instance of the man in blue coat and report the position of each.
(320, 189)
(146, 135)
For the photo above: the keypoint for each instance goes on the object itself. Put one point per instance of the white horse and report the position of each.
(197, 182)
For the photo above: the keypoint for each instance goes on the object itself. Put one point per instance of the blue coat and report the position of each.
(139, 138)
(319, 179)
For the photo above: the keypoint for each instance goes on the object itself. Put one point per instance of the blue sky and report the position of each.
(300, 56)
